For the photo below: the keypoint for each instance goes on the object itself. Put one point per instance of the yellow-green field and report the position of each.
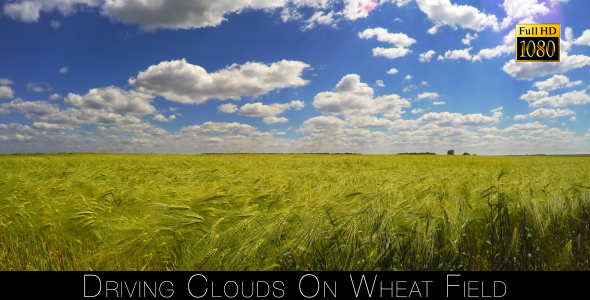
(294, 212)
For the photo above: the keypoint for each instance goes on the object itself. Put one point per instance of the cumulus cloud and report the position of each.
(323, 125)
(400, 40)
(427, 95)
(520, 117)
(162, 118)
(438, 103)
(274, 119)
(380, 83)
(63, 70)
(353, 97)
(555, 82)
(522, 10)
(456, 54)
(181, 81)
(114, 100)
(530, 70)
(216, 128)
(52, 127)
(5, 81)
(55, 24)
(228, 108)
(54, 96)
(442, 12)
(542, 98)
(457, 119)
(29, 10)
(417, 110)
(409, 88)
(319, 18)
(468, 38)
(6, 92)
(524, 128)
(545, 113)
(408, 77)
(35, 87)
(392, 71)
(426, 56)
(355, 9)
(261, 110)
(584, 39)
(506, 47)
(43, 111)
(184, 14)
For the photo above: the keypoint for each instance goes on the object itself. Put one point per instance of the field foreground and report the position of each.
(293, 212)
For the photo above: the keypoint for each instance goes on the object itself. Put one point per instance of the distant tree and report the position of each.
(451, 152)
(465, 153)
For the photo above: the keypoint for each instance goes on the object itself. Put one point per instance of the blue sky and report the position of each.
(367, 76)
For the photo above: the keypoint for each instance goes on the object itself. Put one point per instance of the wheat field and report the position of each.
(294, 212)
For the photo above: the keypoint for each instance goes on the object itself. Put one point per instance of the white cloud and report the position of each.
(6, 92)
(319, 18)
(52, 127)
(524, 10)
(573, 119)
(542, 98)
(424, 83)
(506, 47)
(114, 100)
(497, 109)
(456, 54)
(186, 14)
(408, 77)
(555, 82)
(442, 12)
(290, 14)
(181, 81)
(261, 110)
(35, 87)
(274, 119)
(545, 113)
(468, 38)
(5, 81)
(392, 71)
(409, 88)
(417, 110)
(380, 83)
(520, 117)
(355, 9)
(162, 118)
(55, 24)
(530, 70)
(353, 97)
(297, 104)
(457, 119)
(323, 125)
(228, 108)
(43, 111)
(584, 39)
(427, 95)
(438, 103)
(63, 70)
(216, 128)
(400, 40)
(54, 96)
(29, 10)
(523, 128)
(426, 56)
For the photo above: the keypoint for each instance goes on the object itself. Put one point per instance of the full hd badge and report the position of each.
(537, 42)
